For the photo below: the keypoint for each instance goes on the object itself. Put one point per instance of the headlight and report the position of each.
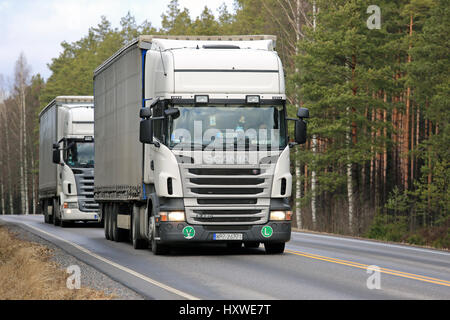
(175, 216)
(280, 215)
(70, 205)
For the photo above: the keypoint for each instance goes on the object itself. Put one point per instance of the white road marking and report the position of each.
(132, 272)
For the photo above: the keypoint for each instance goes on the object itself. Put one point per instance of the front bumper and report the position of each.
(172, 232)
(77, 215)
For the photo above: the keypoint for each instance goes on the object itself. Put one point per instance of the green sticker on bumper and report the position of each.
(189, 232)
(266, 231)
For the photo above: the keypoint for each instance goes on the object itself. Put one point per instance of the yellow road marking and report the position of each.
(365, 266)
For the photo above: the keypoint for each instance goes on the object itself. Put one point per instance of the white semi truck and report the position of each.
(66, 160)
(191, 143)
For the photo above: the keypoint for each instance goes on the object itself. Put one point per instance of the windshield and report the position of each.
(79, 154)
(229, 127)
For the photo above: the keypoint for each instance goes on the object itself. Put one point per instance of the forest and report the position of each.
(376, 163)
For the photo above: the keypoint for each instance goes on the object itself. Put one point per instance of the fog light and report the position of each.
(280, 215)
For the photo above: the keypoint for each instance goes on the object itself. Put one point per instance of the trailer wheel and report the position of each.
(106, 219)
(157, 247)
(274, 248)
(56, 220)
(45, 211)
(136, 239)
(113, 222)
(118, 235)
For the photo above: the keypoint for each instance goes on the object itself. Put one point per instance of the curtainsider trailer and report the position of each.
(192, 143)
(66, 160)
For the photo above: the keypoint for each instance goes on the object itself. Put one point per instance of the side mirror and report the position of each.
(303, 113)
(173, 112)
(56, 156)
(300, 131)
(146, 131)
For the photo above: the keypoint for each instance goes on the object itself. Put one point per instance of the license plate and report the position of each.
(228, 236)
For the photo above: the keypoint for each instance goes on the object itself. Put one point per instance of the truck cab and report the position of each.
(215, 146)
(67, 152)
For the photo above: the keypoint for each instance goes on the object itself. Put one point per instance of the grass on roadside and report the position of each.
(28, 273)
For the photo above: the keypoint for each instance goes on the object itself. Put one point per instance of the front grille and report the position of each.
(225, 191)
(85, 190)
(226, 194)
(225, 181)
(226, 171)
(230, 182)
(228, 220)
(211, 212)
(231, 215)
(227, 201)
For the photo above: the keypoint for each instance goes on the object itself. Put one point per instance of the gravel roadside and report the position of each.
(90, 277)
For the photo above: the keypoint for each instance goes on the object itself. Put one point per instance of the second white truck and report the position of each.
(66, 160)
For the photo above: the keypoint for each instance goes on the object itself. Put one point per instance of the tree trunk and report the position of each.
(298, 184)
(25, 146)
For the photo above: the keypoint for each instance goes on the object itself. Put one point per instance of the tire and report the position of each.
(44, 207)
(56, 220)
(251, 244)
(136, 239)
(274, 248)
(108, 208)
(157, 247)
(118, 235)
(112, 222)
(105, 215)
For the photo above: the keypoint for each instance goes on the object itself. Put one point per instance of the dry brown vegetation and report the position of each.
(28, 273)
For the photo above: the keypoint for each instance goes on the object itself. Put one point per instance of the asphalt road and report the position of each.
(313, 266)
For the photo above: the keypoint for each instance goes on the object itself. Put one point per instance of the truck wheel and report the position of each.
(56, 220)
(274, 248)
(157, 247)
(118, 235)
(45, 211)
(113, 222)
(110, 222)
(105, 215)
(251, 244)
(136, 239)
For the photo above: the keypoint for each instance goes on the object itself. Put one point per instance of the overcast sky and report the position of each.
(37, 27)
